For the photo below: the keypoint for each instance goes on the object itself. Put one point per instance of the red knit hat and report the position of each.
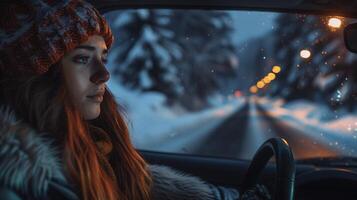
(36, 34)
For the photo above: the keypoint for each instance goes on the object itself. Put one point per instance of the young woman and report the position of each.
(62, 135)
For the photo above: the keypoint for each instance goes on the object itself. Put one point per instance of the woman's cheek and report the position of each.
(80, 87)
(77, 83)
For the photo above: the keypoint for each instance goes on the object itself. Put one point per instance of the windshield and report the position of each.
(220, 83)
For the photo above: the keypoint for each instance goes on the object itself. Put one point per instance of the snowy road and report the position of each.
(183, 135)
(242, 134)
(237, 129)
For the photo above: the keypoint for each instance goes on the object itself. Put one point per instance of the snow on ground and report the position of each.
(151, 124)
(337, 129)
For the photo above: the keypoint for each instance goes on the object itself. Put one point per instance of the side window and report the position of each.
(220, 83)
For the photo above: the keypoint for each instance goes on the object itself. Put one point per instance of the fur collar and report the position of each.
(170, 184)
(29, 163)
(25, 154)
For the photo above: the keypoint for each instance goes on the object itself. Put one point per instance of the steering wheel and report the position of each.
(285, 166)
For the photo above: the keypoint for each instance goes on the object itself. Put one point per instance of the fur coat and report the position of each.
(30, 169)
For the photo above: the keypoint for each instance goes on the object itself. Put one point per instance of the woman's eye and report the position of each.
(81, 59)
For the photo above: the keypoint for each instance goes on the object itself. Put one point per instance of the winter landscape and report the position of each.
(220, 83)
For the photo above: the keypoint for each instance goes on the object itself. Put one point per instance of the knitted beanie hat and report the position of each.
(35, 34)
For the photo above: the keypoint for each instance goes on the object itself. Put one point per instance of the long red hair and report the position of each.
(43, 102)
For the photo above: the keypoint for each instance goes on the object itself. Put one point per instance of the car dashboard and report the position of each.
(311, 181)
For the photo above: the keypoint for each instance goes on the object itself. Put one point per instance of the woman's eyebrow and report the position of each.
(90, 48)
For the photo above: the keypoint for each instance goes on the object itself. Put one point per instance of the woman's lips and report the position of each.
(96, 98)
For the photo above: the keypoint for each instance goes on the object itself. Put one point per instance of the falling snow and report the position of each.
(311, 98)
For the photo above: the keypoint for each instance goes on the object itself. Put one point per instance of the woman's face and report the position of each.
(85, 75)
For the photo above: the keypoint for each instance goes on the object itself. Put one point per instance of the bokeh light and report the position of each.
(238, 93)
(271, 76)
(253, 89)
(266, 80)
(260, 84)
(305, 53)
(334, 22)
(276, 69)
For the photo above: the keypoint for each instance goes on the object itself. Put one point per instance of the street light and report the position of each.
(260, 84)
(253, 89)
(237, 93)
(334, 22)
(271, 76)
(276, 69)
(305, 53)
(266, 80)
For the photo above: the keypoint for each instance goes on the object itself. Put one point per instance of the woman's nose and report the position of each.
(101, 75)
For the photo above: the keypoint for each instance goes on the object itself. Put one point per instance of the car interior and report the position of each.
(273, 164)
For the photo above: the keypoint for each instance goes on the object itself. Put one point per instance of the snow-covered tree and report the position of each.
(329, 75)
(182, 54)
(208, 54)
(145, 51)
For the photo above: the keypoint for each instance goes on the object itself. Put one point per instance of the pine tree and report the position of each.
(145, 51)
(182, 54)
(208, 54)
(328, 76)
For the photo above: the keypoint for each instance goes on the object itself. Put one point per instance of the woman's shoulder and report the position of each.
(28, 161)
(172, 184)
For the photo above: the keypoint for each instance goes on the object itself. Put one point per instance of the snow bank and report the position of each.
(152, 123)
(339, 131)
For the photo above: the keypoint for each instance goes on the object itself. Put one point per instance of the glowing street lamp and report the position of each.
(237, 93)
(271, 76)
(266, 80)
(276, 69)
(253, 89)
(334, 22)
(260, 84)
(305, 53)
